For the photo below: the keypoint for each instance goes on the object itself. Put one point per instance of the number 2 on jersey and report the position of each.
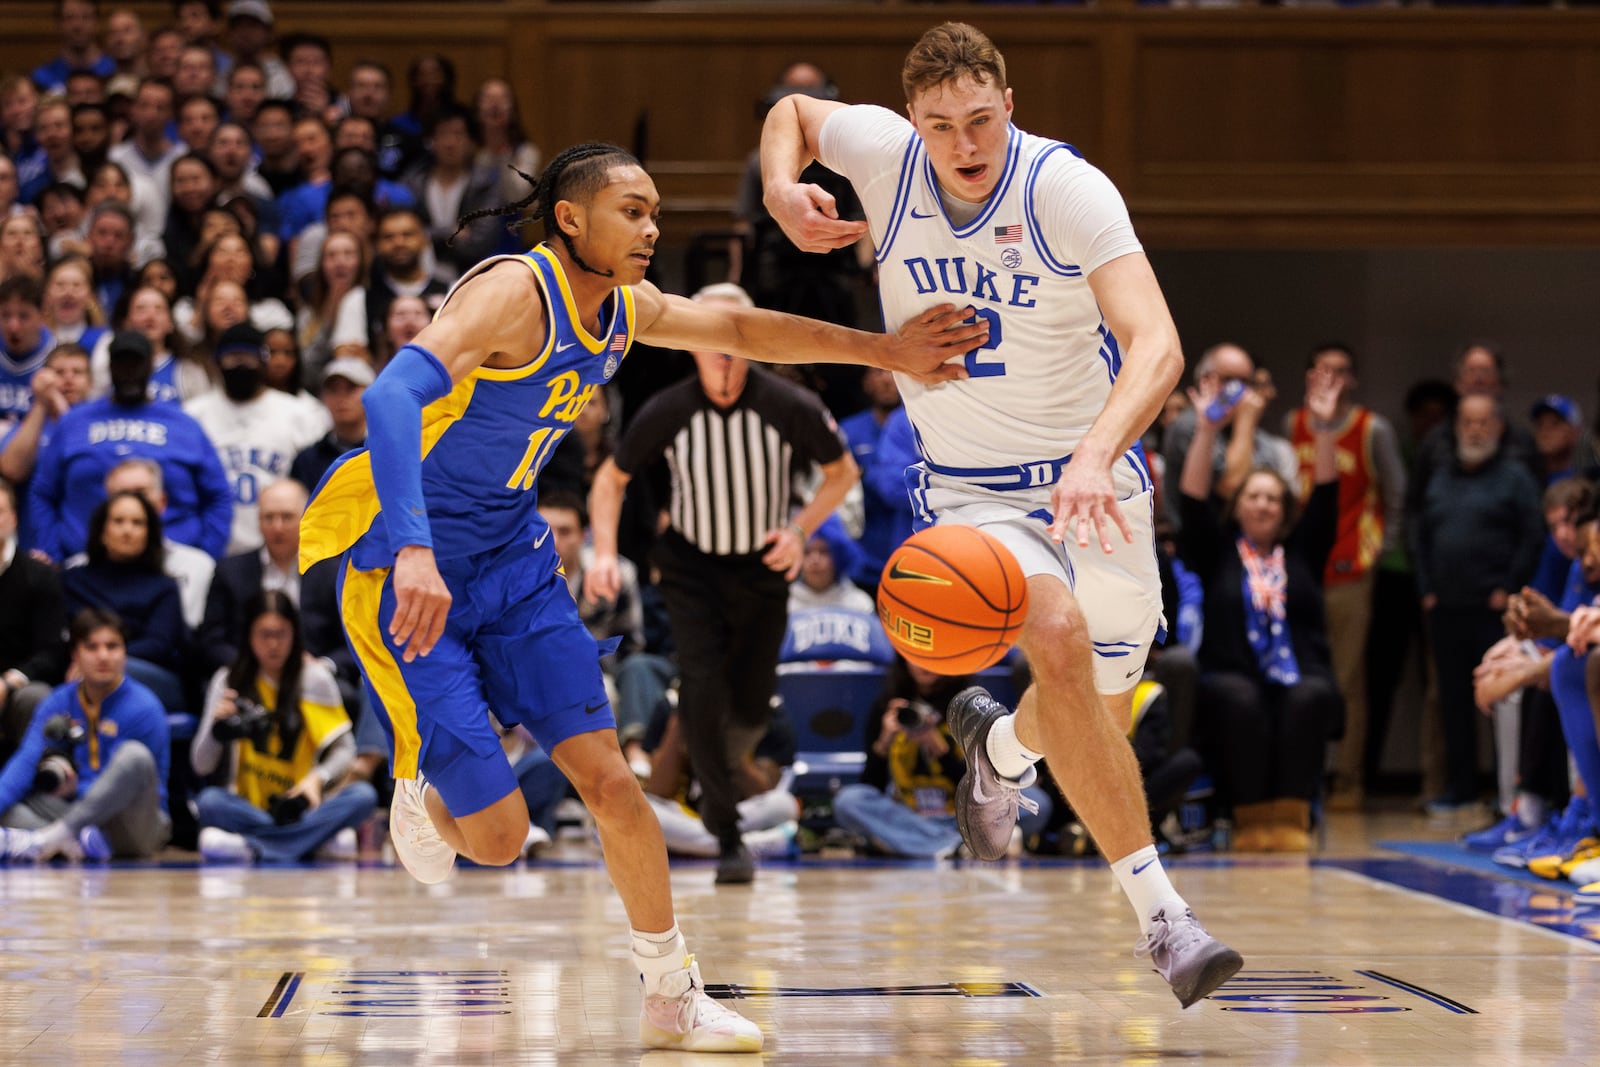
(993, 368)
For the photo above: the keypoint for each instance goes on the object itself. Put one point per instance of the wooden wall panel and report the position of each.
(1235, 128)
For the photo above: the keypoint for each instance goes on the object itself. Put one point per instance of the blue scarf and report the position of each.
(1266, 620)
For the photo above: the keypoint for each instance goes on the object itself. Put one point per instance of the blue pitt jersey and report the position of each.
(484, 444)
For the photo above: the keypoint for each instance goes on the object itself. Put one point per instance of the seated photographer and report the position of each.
(276, 714)
(905, 802)
(89, 779)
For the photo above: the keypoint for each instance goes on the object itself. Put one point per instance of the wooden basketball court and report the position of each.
(1361, 955)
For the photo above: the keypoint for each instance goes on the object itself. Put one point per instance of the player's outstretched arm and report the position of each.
(789, 142)
(1152, 362)
(496, 312)
(919, 348)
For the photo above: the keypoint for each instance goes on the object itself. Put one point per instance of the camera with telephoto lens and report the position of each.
(915, 714)
(251, 722)
(62, 735)
(286, 809)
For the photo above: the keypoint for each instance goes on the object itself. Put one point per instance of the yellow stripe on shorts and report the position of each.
(363, 591)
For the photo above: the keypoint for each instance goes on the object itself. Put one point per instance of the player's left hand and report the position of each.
(923, 344)
(784, 553)
(1084, 499)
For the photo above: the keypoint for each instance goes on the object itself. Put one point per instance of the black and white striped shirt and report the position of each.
(734, 469)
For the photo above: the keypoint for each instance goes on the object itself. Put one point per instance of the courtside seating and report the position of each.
(828, 702)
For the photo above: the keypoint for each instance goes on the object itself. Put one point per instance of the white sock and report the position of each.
(1011, 758)
(1145, 883)
(658, 955)
(1529, 810)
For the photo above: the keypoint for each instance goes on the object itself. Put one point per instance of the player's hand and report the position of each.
(602, 579)
(1083, 501)
(809, 215)
(923, 343)
(784, 553)
(421, 602)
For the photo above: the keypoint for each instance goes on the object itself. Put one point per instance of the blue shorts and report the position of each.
(513, 645)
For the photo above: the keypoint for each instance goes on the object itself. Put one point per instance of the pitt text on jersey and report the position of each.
(564, 402)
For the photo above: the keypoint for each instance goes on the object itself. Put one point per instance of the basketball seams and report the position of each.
(933, 554)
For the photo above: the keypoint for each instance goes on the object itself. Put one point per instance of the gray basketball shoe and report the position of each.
(986, 803)
(1192, 961)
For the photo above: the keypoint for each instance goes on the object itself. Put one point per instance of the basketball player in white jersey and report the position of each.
(1081, 353)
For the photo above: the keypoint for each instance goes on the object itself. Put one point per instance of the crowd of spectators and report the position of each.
(208, 250)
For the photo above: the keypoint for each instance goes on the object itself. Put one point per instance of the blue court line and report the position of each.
(1547, 905)
(288, 995)
(1426, 994)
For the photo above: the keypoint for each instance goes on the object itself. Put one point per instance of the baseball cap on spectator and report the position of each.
(250, 9)
(242, 337)
(1564, 406)
(129, 343)
(353, 370)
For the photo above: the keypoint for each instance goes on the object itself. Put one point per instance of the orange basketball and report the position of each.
(952, 599)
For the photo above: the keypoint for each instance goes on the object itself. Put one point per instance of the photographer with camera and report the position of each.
(89, 778)
(905, 802)
(277, 716)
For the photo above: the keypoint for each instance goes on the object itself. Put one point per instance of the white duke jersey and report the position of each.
(257, 441)
(1022, 261)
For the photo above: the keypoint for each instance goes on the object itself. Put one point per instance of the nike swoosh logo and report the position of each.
(1133, 672)
(897, 571)
(918, 215)
(1142, 866)
(596, 709)
(541, 538)
(569, 344)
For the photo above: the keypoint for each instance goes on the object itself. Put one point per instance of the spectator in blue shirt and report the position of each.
(25, 341)
(89, 779)
(94, 437)
(888, 509)
(78, 22)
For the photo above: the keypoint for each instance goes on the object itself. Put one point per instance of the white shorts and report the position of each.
(1119, 592)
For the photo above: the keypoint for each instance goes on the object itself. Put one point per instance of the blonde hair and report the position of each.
(949, 52)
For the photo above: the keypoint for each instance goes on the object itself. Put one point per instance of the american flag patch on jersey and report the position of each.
(619, 341)
(1008, 235)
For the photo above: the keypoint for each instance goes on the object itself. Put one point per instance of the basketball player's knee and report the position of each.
(500, 843)
(611, 792)
(1056, 640)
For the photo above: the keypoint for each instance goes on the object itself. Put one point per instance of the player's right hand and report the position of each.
(421, 602)
(922, 345)
(809, 215)
(602, 579)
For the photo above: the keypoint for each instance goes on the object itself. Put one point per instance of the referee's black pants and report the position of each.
(728, 616)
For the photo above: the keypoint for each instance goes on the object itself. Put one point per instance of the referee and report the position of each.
(737, 440)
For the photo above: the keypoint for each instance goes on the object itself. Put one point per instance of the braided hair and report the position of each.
(575, 174)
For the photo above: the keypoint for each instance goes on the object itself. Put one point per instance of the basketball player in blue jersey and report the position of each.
(1081, 353)
(451, 590)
